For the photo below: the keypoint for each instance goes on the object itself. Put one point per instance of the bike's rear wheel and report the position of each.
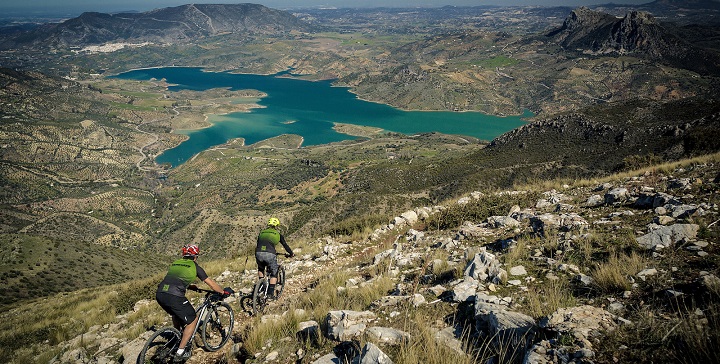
(280, 282)
(259, 296)
(160, 347)
(217, 327)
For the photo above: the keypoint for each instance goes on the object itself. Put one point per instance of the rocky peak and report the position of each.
(637, 33)
(595, 32)
(583, 18)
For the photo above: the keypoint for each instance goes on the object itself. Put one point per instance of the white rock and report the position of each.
(518, 270)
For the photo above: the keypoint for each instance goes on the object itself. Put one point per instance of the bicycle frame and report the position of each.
(201, 313)
(208, 315)
(202, 310)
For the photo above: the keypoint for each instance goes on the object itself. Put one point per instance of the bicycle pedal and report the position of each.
(181, 358)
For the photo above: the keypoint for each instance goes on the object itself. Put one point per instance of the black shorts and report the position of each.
(267, 261)
(176, 306)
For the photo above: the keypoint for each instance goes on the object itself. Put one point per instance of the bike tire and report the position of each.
(217, 326)
(246, 304)
(280, 285)
(259, 298)
(160, 347)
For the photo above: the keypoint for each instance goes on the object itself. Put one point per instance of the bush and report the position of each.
(356, 224)
(479, 210)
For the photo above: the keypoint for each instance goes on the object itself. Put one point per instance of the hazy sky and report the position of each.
(77, 6)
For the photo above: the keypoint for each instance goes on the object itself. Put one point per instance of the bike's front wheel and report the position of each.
(259, 296)
(160, 347)
(246, 304)
(217, 327)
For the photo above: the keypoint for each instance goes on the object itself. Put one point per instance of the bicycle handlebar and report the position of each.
(227, 291)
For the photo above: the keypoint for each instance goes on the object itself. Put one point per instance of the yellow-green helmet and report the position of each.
(273, 222)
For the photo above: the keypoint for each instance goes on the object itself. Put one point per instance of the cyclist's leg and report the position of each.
(261, 263)
(177, 323)
(273, 267)
(183, 315)
(268, 261)
(178, 307)
(187, 332)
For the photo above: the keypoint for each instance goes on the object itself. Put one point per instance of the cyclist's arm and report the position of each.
(285, 245)
(210, 282)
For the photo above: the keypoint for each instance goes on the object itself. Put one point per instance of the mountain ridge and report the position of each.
(684, 4)
(163, 25)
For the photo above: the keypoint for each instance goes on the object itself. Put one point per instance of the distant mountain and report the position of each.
(684, 4)
(166, 25)
(637, 33)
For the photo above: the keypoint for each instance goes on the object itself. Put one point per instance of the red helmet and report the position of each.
(190, 250)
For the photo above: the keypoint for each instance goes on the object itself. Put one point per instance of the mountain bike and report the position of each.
(259, 298)
(214, 326)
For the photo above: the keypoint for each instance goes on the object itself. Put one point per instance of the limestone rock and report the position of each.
(344, 325)
(666, 236)
(617, 196)
(582, 321)
(502, 222)
(497, 320)
(371, 354)
(387, 335)
(465, 290)
(449, 337)
(308, 331)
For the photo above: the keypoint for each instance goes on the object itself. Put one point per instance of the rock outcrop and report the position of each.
(637, 33)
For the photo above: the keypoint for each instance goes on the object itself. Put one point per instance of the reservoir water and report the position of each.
(306, 108)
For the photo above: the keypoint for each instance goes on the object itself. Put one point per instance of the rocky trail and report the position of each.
(562, 279)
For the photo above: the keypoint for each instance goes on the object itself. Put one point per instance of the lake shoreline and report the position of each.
(321, 113)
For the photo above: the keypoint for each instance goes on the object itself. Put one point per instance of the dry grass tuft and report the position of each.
(613, 275)
(544, 300)
(423, 347)
(519, 252)
(266, 332)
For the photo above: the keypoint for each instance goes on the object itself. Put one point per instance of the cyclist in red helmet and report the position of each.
(266, 255)
(170, 294)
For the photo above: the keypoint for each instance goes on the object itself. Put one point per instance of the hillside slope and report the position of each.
(600, 269)
(106, 191)
(338, 193)
(39, 266)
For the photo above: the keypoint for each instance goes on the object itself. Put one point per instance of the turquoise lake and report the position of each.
(306, 108)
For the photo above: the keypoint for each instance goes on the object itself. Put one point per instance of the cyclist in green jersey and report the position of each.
(266, 255)
(170, 294)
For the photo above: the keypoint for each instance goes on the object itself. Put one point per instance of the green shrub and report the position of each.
(478, 210)
(356, 224)
(131, 293)
(635, 161)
